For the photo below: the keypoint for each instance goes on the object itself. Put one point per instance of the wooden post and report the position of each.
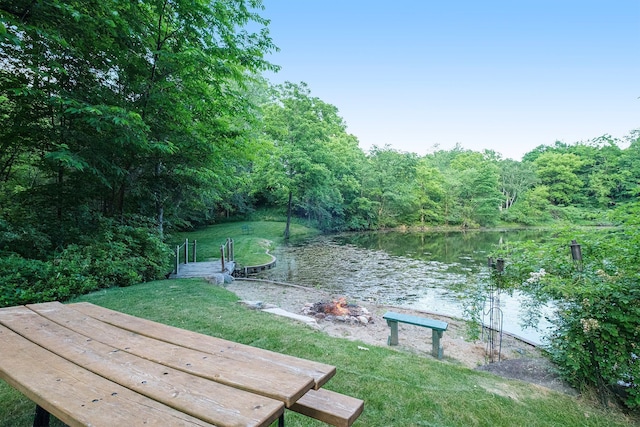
(41, 418)
(222, 257)
(393, 338)
(195, 242)
(233, 251)
(186, 251)
(436, 350)
(177, 258)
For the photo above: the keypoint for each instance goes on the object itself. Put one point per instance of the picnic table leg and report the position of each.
(393, 338)
(41, 418)
(436, 350)
(281, 420)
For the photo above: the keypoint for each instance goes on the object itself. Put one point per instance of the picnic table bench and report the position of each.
(89, 365)
(437, 327)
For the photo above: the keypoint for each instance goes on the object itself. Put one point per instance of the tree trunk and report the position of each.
(161, 220)
(286, 229)
(59, 194)
(158, 198)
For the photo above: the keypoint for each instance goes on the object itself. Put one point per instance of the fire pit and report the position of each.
(338, 310)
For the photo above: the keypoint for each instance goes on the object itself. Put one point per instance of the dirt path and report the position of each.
(519, 360)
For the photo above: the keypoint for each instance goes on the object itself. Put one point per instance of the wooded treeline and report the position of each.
(122, 120)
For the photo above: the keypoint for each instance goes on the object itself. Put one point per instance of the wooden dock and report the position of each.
(203, 269)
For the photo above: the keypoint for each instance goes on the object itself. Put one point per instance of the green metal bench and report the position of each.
(437, 327)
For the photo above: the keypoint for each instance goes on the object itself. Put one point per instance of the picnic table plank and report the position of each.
(320, 372)
(330, 407)
(75, 395)
(211, 401)
(254, 376)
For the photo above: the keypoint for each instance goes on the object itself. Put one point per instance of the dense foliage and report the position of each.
(114, 111)
(596, 335)
(156, 108)
(121, 255)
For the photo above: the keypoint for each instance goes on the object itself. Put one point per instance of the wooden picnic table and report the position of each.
(88, 365)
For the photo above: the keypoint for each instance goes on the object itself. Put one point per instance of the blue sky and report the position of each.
(501, 75)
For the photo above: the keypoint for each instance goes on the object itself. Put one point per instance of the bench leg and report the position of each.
(281, 420)
(436, 350)
(41, 418)
(393, 338)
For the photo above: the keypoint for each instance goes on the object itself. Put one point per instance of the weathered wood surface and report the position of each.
(88, 365)
(75, 395)
(203, 269)
(260, 378)
(330, 407)
(278, 362)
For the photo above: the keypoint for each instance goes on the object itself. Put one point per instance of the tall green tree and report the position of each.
(516, 178)
(630, 168)
(297, 164)
(429, 191)
(389, 182)
(559, 172)
(479, 188)
(126, 107)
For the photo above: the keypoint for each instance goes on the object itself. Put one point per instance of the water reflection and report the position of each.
(439, 272)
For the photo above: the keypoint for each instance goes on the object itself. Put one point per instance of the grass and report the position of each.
(250, 247)
(399, 389)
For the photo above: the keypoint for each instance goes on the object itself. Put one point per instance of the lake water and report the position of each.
(437, 272)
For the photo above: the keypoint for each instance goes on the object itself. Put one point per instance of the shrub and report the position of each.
(596, 340)
(26, 281)
(120, 255)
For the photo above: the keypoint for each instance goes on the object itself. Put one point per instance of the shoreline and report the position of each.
(518, 360)
(425, 312)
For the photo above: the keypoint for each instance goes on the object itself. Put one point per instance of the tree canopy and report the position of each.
(154, 115)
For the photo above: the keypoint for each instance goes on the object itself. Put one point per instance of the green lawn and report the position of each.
(250, 245)
(399, 389)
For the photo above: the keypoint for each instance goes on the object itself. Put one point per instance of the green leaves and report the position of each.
(122, 99)
(67, 159)
(307, 156)
(598, 305)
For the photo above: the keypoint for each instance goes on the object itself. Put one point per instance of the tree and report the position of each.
(430, 192)
(630, 168)
(296, 165)
(479, 194)
(515, 179)
(117, 118)
(389, 182)
(125, 107)
(347, 162)
(559, 172)
(532, 207)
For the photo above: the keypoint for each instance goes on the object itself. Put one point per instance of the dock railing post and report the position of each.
(177, 258)
(230, 254)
